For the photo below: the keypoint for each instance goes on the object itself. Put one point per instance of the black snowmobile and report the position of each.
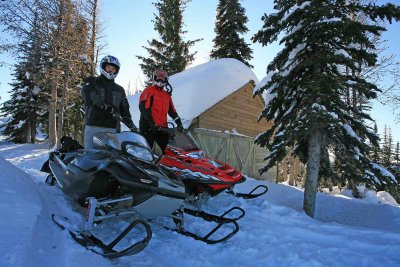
(120, 178)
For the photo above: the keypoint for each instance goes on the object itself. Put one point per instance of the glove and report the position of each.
(96, 100)
(179, 125)
(108, 108)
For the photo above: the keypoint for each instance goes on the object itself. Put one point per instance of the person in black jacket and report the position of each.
(105, 102)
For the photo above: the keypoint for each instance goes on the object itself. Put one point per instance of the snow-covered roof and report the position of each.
(199, 88)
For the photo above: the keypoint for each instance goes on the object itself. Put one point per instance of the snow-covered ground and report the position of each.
(274, 232)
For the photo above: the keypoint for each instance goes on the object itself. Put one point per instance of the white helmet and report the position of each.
(109, 60)
(160, 78)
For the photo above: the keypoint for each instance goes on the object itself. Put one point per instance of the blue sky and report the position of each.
(128, 27)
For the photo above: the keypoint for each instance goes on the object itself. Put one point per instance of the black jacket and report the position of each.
(101, 90)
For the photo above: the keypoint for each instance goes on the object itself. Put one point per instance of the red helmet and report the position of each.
(160, 77)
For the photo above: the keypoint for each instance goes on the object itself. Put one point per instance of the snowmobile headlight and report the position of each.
(139, 152)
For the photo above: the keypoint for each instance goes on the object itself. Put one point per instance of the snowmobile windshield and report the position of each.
(129, 142)
(185, 141)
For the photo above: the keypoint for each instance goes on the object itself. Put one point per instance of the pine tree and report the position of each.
(27, 102)
(63, 58)
(230, 23)
(397, 155)
(387, 146)
(169, 52)
(67, 48)
(390, 150)
(306, 80)
(375, 149)
(384, 142)
(20, 128)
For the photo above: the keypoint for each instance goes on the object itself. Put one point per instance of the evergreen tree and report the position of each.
(387, 147)
(306, 80)
(62, 47)
(230, 22)
(390, 149)
(67, 48)
(21, 127)
(375, 149)
(397, 155)
(384, 144)
(27, 101)
(169, 52)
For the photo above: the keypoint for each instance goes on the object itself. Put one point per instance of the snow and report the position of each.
(290, 64)
(267, 95)
(351, 132)
(383, 171)
(274, 232)
(343, 52)
(36, 90)
(199, 88)
(294, 8)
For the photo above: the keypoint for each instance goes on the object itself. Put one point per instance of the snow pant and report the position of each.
(90, 131)
(160, 137)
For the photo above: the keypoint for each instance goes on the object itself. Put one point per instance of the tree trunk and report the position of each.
(284, 169)
(330, 185)
(313, 165)
(294, 170)
(353, 186)
(52, 115)
(28, 131)
(33, 131)
(61, 105)
(93, 37)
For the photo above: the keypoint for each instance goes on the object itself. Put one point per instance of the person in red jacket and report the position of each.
(155, 104)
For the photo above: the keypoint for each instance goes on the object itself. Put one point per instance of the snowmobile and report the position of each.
(120, 178)
(203, 176)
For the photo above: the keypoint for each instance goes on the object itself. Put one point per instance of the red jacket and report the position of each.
(154, 104)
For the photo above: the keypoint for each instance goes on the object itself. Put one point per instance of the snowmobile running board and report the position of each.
(94, 244)
(251, 194)
(221, 220)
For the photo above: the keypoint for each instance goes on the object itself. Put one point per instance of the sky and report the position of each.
(128, 27)
(274, 232)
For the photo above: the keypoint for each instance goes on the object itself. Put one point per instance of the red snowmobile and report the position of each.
(202, 176)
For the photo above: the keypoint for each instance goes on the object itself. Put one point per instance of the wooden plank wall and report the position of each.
(239, 111)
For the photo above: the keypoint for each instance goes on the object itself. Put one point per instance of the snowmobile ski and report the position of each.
(251, 194)
(94, 244)
(222, 220)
